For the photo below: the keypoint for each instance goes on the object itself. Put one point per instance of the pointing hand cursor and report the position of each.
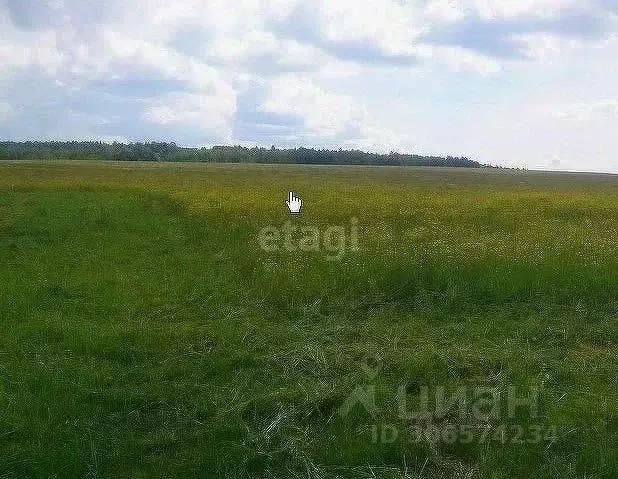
(294, 203)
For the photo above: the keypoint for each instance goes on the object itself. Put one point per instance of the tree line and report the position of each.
(161, 151)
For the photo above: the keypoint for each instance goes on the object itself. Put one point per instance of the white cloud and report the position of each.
(252, 43)
(322, 112)
(459, 59)
(602, 110)
(329, 116)
(5, 111)
(213, 113)
(390, 26)
(491, 9)
(335, 68)
(454, 10)
(445, 10)
(38, 48)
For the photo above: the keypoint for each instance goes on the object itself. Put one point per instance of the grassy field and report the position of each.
(146, 333)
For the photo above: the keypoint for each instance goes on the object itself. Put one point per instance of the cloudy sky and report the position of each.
(510, 82)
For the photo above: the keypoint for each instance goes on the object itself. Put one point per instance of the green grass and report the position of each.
(144, 333)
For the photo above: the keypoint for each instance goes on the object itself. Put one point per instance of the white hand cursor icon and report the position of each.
(294, 203)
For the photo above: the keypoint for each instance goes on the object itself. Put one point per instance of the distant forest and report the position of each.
(157, 151)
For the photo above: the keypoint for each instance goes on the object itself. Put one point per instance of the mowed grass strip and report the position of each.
(144, 333)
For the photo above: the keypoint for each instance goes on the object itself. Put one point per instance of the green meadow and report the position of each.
(146, 333)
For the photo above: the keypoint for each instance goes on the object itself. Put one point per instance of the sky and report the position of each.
(517, 83)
